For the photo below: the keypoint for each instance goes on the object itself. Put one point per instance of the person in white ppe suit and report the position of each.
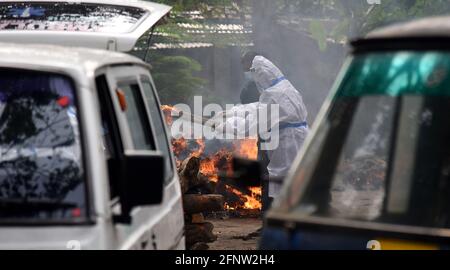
(291, 121)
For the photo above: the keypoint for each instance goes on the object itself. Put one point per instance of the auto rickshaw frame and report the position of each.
(391, 39)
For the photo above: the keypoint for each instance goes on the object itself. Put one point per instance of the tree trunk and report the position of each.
(188, 172)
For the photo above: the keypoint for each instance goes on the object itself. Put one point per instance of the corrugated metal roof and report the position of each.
(199, 32)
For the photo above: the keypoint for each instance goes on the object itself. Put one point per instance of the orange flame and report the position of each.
(179, 145)
(250, 202)
(222, 161)
(167, 111)
(219, 161)
(211, 166)
(247, 148)
(201, 148)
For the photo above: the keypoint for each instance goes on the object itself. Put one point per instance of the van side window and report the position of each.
(111, 140)
(158, 125)
(42, 175)
(136, 116)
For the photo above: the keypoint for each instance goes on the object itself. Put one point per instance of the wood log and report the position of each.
(199, 246)
(199, 233)
(200, 180)
(234, 185)
(197, 218)
(194, 203)
(190, 167)
(188, 171)
(203, 184)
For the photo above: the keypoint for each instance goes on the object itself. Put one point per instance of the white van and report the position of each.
(85, 161)
(102, 24)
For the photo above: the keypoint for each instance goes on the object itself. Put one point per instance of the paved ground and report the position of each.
(236, 233)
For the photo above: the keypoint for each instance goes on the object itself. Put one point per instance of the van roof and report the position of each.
(102, 24)
(134, 3)
(84, 60)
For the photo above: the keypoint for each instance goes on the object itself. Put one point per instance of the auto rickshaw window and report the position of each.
(358, 186)
(41, 168)
(419, 185)
(386, 153)
(351, 175)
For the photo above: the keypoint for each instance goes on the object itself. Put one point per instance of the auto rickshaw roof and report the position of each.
(423, 34)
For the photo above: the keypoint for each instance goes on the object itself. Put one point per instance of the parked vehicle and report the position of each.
(85, 160)
(101, 24)
(375, 172)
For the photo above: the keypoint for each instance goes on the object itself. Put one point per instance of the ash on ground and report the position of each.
(236, 233)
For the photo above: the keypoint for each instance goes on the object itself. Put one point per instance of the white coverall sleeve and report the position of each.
(241, 121)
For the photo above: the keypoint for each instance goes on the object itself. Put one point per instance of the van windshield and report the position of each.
(41, 168)
(382, 152)
(66, 16)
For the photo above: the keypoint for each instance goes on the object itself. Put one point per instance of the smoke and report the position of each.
(307, 40)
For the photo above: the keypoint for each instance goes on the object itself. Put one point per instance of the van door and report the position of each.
(152, 227)
(172, 224)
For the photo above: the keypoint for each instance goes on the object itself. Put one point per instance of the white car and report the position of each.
(85, 160)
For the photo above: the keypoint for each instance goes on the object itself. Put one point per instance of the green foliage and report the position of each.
(186, 5)
(391, 11)
(340, 32)
(211, 10)
(319, 33)
(357, 17)
(175, 79)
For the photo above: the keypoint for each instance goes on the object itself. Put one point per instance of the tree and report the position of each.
(176, 75)
(358, 17)
(176, 82)
(337, 20)
(391, 11)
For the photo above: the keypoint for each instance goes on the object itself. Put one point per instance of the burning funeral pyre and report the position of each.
(202, 165)
(216, 156)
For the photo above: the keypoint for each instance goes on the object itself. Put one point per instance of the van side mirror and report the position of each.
(142, 182)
